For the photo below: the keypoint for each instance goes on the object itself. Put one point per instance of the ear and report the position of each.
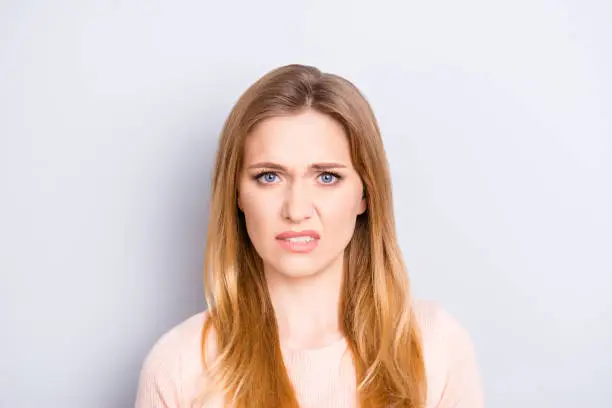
(238, 201)
(363, 205)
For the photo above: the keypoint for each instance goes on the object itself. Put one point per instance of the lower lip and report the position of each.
(300, 247)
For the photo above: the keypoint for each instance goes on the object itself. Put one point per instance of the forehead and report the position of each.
(298, 140)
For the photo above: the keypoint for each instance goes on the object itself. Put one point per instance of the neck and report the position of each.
(306, 308)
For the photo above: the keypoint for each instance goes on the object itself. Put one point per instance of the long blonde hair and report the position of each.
(375, 314)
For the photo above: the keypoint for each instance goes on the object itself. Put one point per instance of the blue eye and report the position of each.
(328, 178)
(266, 178)
(270, 177)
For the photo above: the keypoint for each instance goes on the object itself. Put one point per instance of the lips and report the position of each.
(301, 242)
(299, 235)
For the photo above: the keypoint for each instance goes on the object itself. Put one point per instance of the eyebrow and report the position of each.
(314, 166)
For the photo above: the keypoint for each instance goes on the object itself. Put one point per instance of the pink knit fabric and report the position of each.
(323, 377)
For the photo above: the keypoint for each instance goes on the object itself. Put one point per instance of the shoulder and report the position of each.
(436, 321)
(172, 366)
(178, 343)
(442, 335)
(452, 371)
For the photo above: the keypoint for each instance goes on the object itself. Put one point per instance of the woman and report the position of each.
(309, 300)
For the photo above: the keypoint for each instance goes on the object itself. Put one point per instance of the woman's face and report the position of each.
(299, 193)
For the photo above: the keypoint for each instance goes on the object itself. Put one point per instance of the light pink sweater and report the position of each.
(323, 377)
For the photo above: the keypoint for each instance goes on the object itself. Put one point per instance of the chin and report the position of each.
(296, 268)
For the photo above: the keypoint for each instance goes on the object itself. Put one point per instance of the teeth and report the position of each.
(300, 239)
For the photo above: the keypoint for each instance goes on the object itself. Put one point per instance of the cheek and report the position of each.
(258, 212)
(347, 201)
(340, 212)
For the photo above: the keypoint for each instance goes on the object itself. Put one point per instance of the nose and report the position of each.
(298, 204)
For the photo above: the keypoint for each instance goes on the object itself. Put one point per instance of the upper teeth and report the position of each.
(300, 239)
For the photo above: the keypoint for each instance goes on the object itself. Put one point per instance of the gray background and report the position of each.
(496, 117)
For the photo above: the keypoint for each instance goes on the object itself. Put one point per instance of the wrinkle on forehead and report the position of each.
(298, 141)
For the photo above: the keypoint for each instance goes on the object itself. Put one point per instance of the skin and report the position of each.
(298, 175)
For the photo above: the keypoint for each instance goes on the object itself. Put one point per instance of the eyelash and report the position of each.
(331, 173)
